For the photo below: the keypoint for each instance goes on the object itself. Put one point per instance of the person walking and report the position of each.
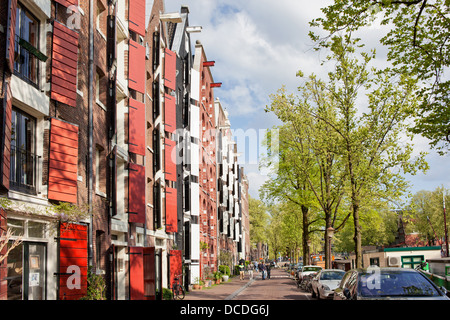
(250, 271)
(241, 271)
(268, 270)
(263, 271)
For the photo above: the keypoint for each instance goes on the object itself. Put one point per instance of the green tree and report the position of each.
(290, 188)
(417, 38)
(372, 130)
(425, 214)
(259, 220)
(308, 148)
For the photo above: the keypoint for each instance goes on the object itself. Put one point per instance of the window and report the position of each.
(26, 271)
(411, 261)
(101, 19)
(26, 62)
(375, 262)
(99, 240)
(157, 150)
(100, 91)
(100, 171)
(157, 206)
(24, 162)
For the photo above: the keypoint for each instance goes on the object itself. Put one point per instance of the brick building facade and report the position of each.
(93, 94)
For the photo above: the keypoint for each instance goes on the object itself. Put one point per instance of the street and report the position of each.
(279, 287)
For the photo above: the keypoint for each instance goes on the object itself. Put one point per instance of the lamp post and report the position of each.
(330, 234)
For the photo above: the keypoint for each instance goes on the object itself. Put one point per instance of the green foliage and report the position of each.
(96, 287)
(344, 141)
(67, 212)
(217, 275)
(416, 34)
(167, 294)
(424, 214)
(225, 270)
(259, 220)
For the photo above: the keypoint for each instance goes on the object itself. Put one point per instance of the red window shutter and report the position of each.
(170, 114)
(11, 33)
(67, 3)
(175, 265)
(73, 258)
(63, 162)
(64, 65)
(136, 67)
(136, 16)
(6, 138)
(170, 69)
(149, 274)
(171, 210)
(3, 264)
(136, 193)
(136, 127)
(170, 160)
(136, 273)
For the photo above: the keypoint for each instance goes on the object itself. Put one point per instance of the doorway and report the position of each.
(26, 278)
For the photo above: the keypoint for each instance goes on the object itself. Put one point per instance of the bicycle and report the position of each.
(178, 290)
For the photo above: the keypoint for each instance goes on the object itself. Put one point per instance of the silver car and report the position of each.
(387, 284)
(324, 283)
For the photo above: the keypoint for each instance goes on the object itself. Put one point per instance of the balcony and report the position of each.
(24, 171)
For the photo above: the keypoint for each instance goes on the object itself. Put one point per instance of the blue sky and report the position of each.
(258, 47)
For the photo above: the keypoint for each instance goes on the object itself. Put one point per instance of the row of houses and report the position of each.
(117, 158)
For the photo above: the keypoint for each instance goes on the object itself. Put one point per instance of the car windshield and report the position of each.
(395, 283)
(331, 275)
(311, 269)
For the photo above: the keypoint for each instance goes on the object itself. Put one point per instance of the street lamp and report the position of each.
(330, 234)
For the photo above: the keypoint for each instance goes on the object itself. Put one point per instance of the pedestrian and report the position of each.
(268, 271)
(250, 271)
(241, 271)
(263, 270)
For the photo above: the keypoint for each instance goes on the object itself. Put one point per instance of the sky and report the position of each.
(258, 47)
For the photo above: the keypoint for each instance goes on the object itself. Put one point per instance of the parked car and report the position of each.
(324, 283)
(307, 270)
(387, 284)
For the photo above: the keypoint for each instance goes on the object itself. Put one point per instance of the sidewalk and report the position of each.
(223, 291)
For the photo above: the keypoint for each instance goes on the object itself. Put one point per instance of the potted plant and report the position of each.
(225, 270)
(196, 284)
(217, 276)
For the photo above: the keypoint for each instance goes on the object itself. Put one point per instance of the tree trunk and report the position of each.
(357, 235)
(305, 237)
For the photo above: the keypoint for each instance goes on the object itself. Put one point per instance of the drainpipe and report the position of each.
(90, 128)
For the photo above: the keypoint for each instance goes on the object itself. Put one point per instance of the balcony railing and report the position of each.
(24, 170)
(26, 65)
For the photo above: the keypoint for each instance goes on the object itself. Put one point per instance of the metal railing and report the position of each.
(24, 170)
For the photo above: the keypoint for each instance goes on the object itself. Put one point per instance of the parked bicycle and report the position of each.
(177, 289)
(305, 283)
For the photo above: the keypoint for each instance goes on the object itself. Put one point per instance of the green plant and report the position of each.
(96, 287)
(225, 270)
(217, 275)
(204, 246)
(167, 294)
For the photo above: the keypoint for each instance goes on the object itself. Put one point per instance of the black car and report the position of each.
(387, 284)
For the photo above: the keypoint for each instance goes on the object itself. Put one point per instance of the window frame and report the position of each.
(17, 116)
(21, 10)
